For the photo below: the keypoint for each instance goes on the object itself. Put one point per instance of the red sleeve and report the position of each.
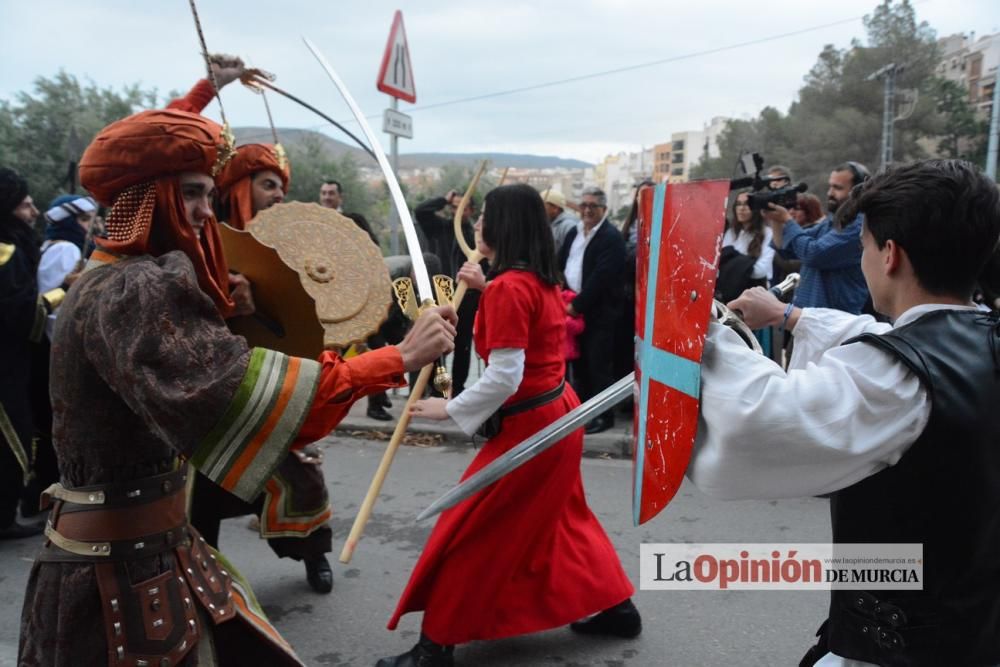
(574, 325)
(197, 98)
(341, 382)
(509, 303)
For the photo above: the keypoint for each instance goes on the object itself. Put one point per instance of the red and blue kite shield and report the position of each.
(680, 233)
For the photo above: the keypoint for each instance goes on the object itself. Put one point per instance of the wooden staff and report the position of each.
(365, 511)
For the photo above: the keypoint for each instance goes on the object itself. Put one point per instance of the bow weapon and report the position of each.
(257, 80)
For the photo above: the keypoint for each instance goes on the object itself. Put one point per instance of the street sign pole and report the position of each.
(394, 159)
(395, 78)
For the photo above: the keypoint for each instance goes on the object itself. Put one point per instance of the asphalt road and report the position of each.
(348, 626)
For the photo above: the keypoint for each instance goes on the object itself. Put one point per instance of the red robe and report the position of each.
(525, 554)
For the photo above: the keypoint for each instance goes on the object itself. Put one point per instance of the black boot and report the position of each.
(318, 574)
(622, 620)
(425, 654)
(376, 411)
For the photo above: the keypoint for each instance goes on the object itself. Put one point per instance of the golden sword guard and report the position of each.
(444, 290)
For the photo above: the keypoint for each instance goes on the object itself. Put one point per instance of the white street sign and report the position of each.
(397, 123)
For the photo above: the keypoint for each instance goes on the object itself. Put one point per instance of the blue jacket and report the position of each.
(831, 264)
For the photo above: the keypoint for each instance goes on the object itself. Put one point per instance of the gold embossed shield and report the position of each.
(337, 263)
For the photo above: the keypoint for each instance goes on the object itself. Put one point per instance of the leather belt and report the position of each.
(144, 518)
(533, 402)
(494, 423)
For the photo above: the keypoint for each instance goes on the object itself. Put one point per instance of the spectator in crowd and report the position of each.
(808, 210)
(435, 218)
(331, 195)
(747, 257)
(23, 310)
(781, 177)
(747, 252)
(592, 259)
(560, 216)
(829, 251)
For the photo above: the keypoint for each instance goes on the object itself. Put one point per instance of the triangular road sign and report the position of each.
(396, 74)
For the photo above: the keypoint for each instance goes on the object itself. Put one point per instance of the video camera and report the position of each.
(762, 194)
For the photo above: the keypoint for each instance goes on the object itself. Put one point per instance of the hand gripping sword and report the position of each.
(424, 293)
(559, 429)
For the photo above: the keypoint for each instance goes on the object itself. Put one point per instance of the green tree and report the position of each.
(42, 132)
(962, 133)
(838, 113)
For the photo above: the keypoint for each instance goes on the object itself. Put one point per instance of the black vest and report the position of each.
(944, 493)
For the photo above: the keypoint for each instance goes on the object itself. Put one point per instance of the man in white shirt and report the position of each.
(899, 423)
(592, 259)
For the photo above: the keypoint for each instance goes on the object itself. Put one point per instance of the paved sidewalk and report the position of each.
(615, 442)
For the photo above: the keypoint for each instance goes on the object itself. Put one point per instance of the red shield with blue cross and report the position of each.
(677, 260)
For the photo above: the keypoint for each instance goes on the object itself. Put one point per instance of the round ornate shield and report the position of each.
(337, 263)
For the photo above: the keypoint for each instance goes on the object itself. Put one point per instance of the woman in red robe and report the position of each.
(526, 554)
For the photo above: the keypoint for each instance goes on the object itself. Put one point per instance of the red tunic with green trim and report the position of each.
(525, 554)
(145, 371)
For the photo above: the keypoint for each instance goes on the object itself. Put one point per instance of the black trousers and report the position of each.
(594, 370)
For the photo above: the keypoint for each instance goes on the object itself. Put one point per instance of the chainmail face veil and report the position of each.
(148, 219)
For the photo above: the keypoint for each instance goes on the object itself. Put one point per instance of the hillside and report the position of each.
(335, 149)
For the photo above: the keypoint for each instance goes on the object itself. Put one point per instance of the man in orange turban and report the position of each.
(294, 510)
(145, 375)
(256, 179)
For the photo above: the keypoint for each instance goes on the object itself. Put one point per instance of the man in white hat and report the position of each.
(560, 217)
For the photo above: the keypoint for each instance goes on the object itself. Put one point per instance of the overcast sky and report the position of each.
(463, 49)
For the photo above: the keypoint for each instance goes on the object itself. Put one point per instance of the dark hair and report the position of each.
(859, 172)
(944, 213)
(811, 205)
(330, 181)
(516, 227)
(756, 227)
(633, 213)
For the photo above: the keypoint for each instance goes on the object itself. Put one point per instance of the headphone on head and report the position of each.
(859, 172)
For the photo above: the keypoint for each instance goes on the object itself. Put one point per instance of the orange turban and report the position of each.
(234, 183)
(133, 165)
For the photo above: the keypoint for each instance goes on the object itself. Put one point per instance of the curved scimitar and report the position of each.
(424, 290)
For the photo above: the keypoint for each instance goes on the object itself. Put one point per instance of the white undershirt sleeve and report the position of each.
(765, 433)
(498, 382)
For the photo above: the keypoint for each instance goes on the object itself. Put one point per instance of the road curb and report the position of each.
(616, 442)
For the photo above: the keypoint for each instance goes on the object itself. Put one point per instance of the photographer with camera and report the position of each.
(829, 251)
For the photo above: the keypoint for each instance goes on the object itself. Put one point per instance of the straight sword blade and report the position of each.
(534, 445)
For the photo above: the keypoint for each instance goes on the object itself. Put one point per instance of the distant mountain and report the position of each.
(518, 160)
(336, 149)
